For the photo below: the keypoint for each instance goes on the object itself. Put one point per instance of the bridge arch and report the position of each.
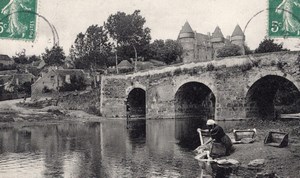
(136, 102)
(253, 79)
(194, 104)
(271, 94)
(194, 100)
(206, 81)
(135, 85)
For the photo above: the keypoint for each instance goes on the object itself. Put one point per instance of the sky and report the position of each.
(164, 17)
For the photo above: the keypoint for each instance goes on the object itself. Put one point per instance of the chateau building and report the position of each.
(200, 47)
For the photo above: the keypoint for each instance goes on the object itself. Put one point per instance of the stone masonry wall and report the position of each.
(229, 79)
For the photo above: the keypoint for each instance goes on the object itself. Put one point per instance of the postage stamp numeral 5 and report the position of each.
(18, 19)
(284, 18)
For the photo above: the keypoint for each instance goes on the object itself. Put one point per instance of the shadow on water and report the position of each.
(107, 149)
(186, 131)
(137, 129)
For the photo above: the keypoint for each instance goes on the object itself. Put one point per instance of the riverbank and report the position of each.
(284, 162)
(18, 111)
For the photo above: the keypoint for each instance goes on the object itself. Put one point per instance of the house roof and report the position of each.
(237, 31)
(5, 78)
(23, 77)
(4, 57)
(217, 33)
(41, 64)
(125, 65)
(186, 28)
(8, 72)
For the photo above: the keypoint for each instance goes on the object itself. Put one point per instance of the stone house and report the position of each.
(52, 78)
(19, 79)
(16, 85)
(198, 47)
(15, 78)
(5, 60)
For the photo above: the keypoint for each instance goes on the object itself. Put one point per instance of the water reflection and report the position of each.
(108, 149)
(186, 131)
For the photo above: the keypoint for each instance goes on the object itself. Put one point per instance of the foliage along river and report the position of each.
(112, 148)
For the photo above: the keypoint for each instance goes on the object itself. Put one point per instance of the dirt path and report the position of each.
(11, 106)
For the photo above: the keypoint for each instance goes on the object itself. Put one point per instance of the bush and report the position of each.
(280, 65)
(229, 50)
(210, 67)
(246, 67)
(177, 71)
(268, 45)
(76, 83)
(25, 87)
(94, 110)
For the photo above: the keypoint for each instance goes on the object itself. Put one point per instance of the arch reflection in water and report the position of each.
(106, 149)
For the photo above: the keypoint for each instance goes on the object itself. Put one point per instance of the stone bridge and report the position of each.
(232, 88)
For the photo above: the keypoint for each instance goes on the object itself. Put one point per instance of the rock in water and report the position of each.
(266, 175)
(227, 162)
(257, 163)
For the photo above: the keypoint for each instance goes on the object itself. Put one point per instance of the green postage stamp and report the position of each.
(18, 19)
(284, 18)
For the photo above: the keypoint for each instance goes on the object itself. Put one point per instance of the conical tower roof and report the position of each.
(217, 33)
(237, 31)
(187, 28)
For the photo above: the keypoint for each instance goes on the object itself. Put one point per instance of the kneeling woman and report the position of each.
(218, 135)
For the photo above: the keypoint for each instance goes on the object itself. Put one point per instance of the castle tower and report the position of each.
(217, 40)
(187, 40)
(238, 38)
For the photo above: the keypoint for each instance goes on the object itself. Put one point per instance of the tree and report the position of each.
(33, 58)
(76, 83)
(268, 45)
(229, 50)
(25, 87)
(91, 49)
(247, 49)
(54, 56)
(129, 32)
(166, 51)
(20, 57)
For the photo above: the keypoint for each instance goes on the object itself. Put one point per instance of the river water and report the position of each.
(112, 148)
